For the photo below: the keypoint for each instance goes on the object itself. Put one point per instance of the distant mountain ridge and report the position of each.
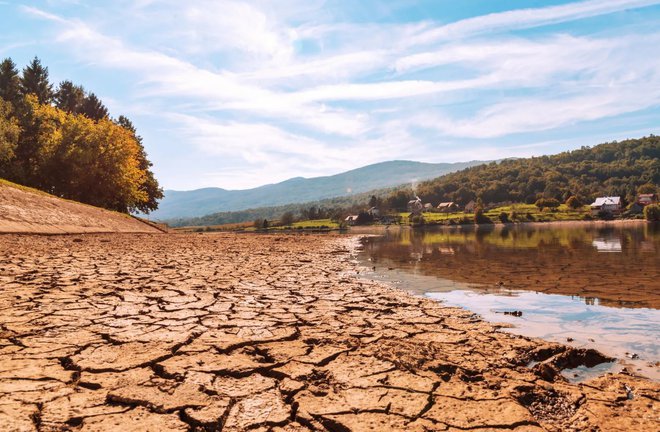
(200, 202)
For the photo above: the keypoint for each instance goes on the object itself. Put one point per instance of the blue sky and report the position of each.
(237, 94)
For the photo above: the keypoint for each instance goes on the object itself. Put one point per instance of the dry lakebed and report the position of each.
(171, 332)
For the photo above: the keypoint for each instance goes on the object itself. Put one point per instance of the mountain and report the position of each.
(200, 202)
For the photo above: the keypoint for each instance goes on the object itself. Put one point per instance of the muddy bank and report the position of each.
(27, 211)
(229, 332)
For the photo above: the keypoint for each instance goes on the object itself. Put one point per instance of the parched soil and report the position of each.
(32, 212)
(229, 332)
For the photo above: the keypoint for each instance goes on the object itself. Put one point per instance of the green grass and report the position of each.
(563, 213)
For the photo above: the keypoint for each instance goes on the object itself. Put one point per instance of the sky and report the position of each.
(237, 94)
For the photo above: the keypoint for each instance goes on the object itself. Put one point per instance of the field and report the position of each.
(523, 212)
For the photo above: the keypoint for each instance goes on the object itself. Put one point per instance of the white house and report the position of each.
(606, 204)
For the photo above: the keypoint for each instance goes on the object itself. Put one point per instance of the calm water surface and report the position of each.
(585, 285)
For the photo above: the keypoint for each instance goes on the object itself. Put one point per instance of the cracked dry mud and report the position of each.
(159, 333)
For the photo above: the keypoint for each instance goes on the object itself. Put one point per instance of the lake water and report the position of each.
(586, 285)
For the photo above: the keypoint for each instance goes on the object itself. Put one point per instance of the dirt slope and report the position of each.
(23, 210)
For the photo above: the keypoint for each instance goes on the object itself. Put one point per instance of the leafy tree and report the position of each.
(9, 133)
(504, 217)
(542, 203)
(573, 202)
(647, 188)
(652, 212)
(286, 219)
(10, 83)
(93, 108)
(150, 185)
(70, 97)
(35, 81)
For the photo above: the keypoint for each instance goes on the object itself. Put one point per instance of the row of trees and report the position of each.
(64, 142)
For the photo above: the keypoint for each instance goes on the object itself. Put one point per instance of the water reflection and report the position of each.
(559, 277)
(565, 260)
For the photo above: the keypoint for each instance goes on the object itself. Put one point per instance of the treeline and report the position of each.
(63, 141)
(612, 169)
(331, 208)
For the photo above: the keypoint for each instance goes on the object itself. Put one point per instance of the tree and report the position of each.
(374, 201)
(150, 185)
(504, 217)
(10, 84)
(647, 188)
(70, 97)
(93, 108)
(652, 212)
(542, 203)
(573, 202)
(35, 81)
(286, 219)
(9, 133)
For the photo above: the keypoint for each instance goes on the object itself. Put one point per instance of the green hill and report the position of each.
(613, 169)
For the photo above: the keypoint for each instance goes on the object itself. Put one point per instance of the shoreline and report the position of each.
(274, 332)
(371, 228)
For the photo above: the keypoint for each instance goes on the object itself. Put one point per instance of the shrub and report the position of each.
(573, 202)
(480, 217)
(504, 217)
(652, 212)
(542, 203)
(588, 217)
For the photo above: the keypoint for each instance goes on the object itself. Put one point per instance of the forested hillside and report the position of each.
(201, 202)
(63, 141)
(615, 168)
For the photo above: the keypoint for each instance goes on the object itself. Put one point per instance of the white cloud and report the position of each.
(525, 18)
(295, 88)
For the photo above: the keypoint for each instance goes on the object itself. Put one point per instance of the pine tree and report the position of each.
(35, 81)
(93, 108)
(70, 97)
(10, 88)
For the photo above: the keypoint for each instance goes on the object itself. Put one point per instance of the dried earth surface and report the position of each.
(24, 210)
(131, 332)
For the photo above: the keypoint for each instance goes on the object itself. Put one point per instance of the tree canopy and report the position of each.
(65, 143)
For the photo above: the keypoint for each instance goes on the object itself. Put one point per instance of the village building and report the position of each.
(428, 207)
(415, 206)
(470, 207)
(351, 219)
(647, 199)
(610, 205)
(448, 207)
(374, 212)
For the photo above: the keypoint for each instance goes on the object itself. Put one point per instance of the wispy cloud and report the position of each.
(300, 87)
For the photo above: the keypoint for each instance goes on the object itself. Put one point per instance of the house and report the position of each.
(428, 207)
(374, 212)
(469, 207)
(646, 199)
(610, 205)
(448, 207)
(415, 206)
(351, 219)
